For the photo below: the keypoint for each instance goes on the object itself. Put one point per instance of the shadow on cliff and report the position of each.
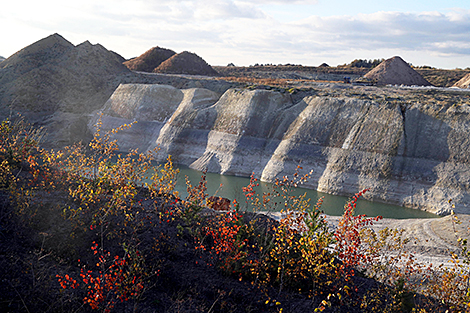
(388, 152)
(424, 145)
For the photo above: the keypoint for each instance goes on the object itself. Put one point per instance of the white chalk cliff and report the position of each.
(416, 156)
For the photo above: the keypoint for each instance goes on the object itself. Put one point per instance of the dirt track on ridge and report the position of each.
(431, 240)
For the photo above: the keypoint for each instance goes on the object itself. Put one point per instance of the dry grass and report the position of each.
(272, 74)
(442, 78)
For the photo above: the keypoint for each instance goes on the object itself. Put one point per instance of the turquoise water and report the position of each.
(332, 205)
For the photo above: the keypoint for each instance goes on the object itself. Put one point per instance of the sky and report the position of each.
(246, 32)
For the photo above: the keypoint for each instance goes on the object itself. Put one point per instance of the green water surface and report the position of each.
(332, 205)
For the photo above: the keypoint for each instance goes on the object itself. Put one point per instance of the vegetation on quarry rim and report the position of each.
(81, 233)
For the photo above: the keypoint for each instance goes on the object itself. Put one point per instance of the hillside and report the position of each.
(297, 72)
(58, 85)
(83, 71)
(442, 78)
(75, 243)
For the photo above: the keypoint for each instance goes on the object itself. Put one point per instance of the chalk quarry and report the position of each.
(410, 147)
(415, 156)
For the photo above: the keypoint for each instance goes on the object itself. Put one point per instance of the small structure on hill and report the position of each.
(150, 60)
(186, 63)
(464, 82)
(395, 71)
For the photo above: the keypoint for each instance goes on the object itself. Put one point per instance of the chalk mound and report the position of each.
(37, 54)
(464, 82)
(88, 58)
(70, 78)
(150, 60)
(395, 71)
(55, 83)
(186, 63)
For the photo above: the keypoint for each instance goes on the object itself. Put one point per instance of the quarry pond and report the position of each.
(231, 187)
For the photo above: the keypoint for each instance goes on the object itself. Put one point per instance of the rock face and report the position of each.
(395, 71)
(185, 63)
(416, 156)
(464, 82)
(150, 60)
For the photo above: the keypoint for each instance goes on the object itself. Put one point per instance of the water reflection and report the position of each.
(231, 187)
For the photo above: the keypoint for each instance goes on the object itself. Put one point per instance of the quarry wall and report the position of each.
(415, 156)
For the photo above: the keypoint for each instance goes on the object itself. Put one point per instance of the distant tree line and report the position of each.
(270, 64)
(365, 63)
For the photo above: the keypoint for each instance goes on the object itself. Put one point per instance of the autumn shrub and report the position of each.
(304, 254)
(291, 254)
(348, 242)
(19, 149)
(104, 186)
(379, 255)
(197, 194)
(115, 279)
(18, 141)
(98, 181)
(300, 252)
(163, 181)
(226, 237)
(399, 275)
(297, 257)
(105, 194)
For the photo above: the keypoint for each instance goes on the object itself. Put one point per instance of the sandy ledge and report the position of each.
(431, 240)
